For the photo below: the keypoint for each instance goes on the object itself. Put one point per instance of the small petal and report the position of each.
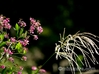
(39, 29)
(42, 70)
(24, 58)
(21, 68)
(19, 72)
(35, 37)
(11, 59)
(34, 68)
(10, 52)
(22, 23)
(12, 39)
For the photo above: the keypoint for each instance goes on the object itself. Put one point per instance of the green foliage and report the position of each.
(2, 43)
(21, 31)
(18, 47)
(1, 37)
(17, 27)
(35, 71)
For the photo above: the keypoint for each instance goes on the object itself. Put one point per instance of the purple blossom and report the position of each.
(35, 37)
(24, 58)
(11, 59)
(5, 50)
(12, 39)
(24, 42)
(21, 68)
(42, 70)
(22, 23)
(37, 24)
(7, 26)
(2, 66)
(32, 20)
(10, 52)
(6, 35)
(6, 23)
(39, 29)
(34, 68)
(19, 72)
(32, 28)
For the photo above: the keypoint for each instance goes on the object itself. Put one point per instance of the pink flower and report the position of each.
(37, 24)
(2, 66)
(34, 68)
(5, 50)
(10, 52)
(21, 68)
(24, 58)
(24, 42)
(11, 59)
(19, 72)
(6, 36)
(39, 29)
(12, 39)
(42, 70)
(32, 28)
(32, 20)
(6, 24)
(22, 23)
(35, 37)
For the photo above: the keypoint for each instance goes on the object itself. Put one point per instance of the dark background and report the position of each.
(74, 15)
(84, 14)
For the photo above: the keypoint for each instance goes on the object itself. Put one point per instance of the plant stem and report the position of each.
(47, 59)
(44, 63)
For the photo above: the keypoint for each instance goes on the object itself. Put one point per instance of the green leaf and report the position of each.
(24, 51)
(18, 47)
(25, 35)
(2, 44)
(17, 27)
(21, 31)
(35, 71)
(1, 37)
(6, 71)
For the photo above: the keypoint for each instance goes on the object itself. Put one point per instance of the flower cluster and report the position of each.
(35, 25)
(4, 23)
(16, 44)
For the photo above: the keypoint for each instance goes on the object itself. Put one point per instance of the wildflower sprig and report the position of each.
(10, 46)
(84, 43)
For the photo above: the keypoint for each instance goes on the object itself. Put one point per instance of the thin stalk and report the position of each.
(44, 63)
(47, 59)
